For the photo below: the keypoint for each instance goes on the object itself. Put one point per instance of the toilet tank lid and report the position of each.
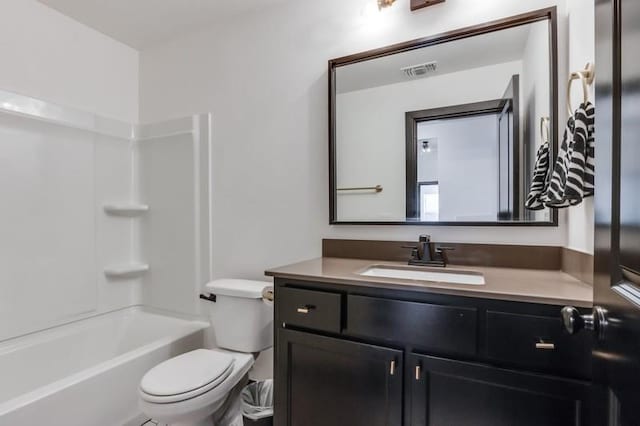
(247, 289)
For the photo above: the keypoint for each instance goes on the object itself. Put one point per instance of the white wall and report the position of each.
(264, 79)
(535, 98)
(535, 79)
(581, 48)
(370, 135)
(49, 56)
(55, 239)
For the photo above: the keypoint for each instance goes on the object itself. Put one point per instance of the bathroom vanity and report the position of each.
(413, 352)
(478, 341)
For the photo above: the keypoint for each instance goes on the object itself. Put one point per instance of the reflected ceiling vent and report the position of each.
(420, 70)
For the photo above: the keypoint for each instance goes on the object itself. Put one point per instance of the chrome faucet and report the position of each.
(427, 254)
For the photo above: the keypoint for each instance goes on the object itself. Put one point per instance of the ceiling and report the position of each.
(473, 52)
(143, 23)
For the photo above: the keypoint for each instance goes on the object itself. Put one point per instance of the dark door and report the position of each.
(454, 393)
(616, 315)
(509, 153)
(617, 291)
(337, 383)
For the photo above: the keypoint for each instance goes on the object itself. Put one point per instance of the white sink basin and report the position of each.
(416, 274)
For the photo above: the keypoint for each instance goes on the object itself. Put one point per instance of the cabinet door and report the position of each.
(453, 393)
(322, 381)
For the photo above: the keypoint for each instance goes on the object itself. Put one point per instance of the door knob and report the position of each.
(574, 322)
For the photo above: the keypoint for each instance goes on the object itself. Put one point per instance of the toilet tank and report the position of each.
(242, 321)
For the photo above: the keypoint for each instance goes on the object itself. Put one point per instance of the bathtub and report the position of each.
(87, 373)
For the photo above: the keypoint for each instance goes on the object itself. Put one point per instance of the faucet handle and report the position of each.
(414, 251)
(442, 251)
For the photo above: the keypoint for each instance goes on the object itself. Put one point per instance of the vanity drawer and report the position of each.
(537, 342)
(437, 328)
(316, 310)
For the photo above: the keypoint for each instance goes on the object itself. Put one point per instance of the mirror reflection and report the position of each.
(445, 134)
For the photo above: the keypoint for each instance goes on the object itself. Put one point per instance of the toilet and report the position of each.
(198, 387)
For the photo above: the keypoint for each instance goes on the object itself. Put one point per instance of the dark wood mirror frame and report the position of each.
(547, 14)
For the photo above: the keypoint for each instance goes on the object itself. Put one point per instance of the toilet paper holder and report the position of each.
(267, 294)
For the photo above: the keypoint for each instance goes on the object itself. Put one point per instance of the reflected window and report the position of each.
(429, 202)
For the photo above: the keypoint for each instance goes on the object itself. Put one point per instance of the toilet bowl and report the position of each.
(188, 389)
(194, 388)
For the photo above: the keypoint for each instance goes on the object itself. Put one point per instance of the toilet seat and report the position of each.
(202, 402)
(186, 376)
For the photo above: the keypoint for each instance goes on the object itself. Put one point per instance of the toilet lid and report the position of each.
(186, 373)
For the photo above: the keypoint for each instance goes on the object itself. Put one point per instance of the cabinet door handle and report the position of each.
(305, 309)
(542, 345)
(392, 368)
(418, 373)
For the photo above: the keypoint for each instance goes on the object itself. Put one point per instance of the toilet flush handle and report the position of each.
(209, 297)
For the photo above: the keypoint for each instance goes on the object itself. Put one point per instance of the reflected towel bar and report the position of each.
(377, 188)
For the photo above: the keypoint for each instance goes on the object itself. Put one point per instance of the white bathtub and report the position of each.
(87, 373)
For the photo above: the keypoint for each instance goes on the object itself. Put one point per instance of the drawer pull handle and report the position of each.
(418, 373)
(305, 309)
(545, 346)
(392, 368)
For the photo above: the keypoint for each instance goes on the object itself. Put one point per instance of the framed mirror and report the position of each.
(445, 130)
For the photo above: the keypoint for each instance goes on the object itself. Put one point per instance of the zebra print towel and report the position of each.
(540, 179)
(573, 174)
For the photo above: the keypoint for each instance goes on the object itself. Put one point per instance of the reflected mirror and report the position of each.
(445, 130)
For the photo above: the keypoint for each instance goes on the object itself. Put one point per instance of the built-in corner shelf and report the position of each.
(129, 210)
(126, 271)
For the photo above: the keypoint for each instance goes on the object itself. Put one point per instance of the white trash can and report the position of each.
(257, 403)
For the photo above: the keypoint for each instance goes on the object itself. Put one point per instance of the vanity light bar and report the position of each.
(419, 4)
(385, 3)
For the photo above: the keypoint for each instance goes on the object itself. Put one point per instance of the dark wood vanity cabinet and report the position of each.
(350, 355)
(454, 393)
(339, 382)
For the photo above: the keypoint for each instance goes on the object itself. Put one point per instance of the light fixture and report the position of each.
(419, 4)
(385, 3)
(425, 146)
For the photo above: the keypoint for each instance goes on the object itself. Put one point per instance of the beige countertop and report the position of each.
(521, 285)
